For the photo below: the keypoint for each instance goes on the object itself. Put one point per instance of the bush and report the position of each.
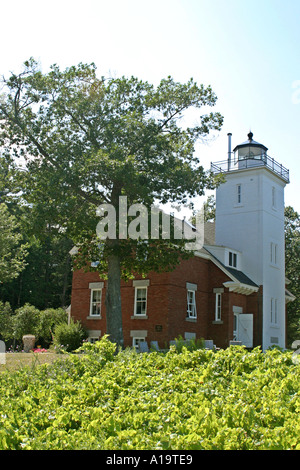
(230, 399)
(189, 344)
(103, 348)
(26, 322)
(49, 318)
(6, 321)
(69, 336)
(29, 320)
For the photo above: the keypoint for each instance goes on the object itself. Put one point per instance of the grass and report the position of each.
(15, 361)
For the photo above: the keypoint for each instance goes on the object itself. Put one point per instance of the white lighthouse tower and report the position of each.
(250, 220)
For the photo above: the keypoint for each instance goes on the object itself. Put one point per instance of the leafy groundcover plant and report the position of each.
(102, 399)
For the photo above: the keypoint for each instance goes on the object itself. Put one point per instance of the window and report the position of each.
(273, 253)
(138, 336)
(94, 335)
(191, 304)
(274, 311)
(239, 193)
(95, 306)
(140, 304)
(93, 339)
(232, 259)
(191, 301)
(136, 342)
(218, 306)
(95, 299)
(273, 197)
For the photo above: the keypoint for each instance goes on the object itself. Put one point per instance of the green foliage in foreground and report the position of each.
(69, 336)
(202, 399)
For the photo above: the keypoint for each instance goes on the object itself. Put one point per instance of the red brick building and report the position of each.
(232, 289)
(199, 299)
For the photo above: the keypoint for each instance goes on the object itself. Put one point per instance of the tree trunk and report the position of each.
(114, 326)
(67, 270)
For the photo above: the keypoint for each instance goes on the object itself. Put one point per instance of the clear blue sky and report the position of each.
(248, 51)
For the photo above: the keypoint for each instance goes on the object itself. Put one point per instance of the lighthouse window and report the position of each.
(274, 254)
(274, 319)
(232, 259)
(239, 193)
(273, 197)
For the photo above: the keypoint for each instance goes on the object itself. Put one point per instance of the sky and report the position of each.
(248, 51)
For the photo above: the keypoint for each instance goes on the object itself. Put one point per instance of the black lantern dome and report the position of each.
(250, 150)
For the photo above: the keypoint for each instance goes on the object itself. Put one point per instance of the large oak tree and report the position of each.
(88, 140)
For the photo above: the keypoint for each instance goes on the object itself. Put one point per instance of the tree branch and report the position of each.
(86, 196)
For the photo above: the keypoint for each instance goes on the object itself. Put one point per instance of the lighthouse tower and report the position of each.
(250, 220)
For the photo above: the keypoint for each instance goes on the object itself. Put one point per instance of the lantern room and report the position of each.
(250, 150)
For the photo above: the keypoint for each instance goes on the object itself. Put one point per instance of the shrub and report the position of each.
(26, 322)
(230, 399)
(103, 347)
(69, 336)
(49, 318)
(6, 321)
(189, 344)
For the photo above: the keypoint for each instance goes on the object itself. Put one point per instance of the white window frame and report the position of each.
(94, 335)
(218, 307)
(232, 259)
(191, 310)
(191, 314)
(136, 340)
(274, 254)
(274, 311)
(239, 194)
(92, 302)
(273, 197)
(93, 339)
(136, 300)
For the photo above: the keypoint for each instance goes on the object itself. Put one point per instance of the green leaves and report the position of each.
(88, 140)
(71, 119)
(229, 399)
(12, 251)
(292, 256)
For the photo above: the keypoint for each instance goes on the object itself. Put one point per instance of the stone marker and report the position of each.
(28, 342)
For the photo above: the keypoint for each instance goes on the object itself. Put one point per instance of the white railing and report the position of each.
(244, 163)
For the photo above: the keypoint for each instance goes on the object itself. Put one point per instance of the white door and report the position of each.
(243, 329)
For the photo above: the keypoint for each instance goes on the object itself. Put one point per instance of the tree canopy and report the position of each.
(12, 251)
(87, 140)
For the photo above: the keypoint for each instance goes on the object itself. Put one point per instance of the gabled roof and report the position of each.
(240, 282)
(240, 276)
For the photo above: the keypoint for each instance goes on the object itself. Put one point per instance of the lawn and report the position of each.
(15, 361)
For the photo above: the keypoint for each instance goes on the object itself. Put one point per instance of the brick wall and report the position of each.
(167, 305)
